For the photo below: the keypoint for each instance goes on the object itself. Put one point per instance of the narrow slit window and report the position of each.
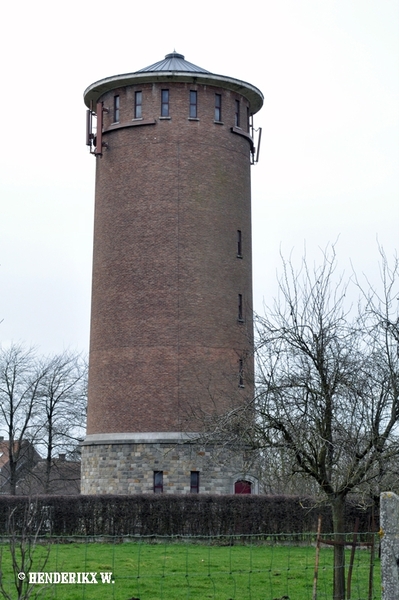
(158, 482)
(165, 103)
(116, 109)
(248, 119)
(193, 105)
(138, 102)
(218, 107)
(241, 373)
(239, 243)
(194, 482)
(240, 310)
(237, 116)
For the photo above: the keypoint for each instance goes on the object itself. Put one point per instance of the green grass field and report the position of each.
(186, 570)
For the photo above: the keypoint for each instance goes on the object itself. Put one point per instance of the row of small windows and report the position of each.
(240, 487)
(192, 108)
(158, 482)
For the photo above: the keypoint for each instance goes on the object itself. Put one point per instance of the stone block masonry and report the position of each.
(126, 467)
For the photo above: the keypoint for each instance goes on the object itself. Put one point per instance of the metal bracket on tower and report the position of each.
(256, 147)
(95, 140)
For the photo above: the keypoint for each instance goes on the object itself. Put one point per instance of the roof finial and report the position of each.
(174, 62)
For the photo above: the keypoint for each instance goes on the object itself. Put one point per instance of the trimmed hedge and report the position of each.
(164, 514)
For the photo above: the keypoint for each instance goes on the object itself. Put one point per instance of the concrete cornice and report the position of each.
(147, 437)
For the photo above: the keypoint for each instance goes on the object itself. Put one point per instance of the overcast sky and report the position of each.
(329, 71)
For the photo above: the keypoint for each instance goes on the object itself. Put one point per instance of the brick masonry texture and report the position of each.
(170, 198)
(165, 338)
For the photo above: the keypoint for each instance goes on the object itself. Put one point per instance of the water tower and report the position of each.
(171, 324)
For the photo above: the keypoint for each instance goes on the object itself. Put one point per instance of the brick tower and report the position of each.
(171, 325)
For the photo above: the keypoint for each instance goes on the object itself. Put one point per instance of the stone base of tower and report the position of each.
(160, 462)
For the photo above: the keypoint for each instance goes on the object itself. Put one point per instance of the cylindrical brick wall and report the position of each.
(170, 198)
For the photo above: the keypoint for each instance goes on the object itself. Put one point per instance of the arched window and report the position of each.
(242, 487)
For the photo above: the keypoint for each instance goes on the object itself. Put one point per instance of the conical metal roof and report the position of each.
(173, 62)
(174, 68)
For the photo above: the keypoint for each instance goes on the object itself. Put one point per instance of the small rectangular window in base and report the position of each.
(158, 482)
(194, 482)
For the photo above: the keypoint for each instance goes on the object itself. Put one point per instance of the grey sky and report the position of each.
(328, 167)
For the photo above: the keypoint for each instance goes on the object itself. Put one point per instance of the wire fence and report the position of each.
(256, 567)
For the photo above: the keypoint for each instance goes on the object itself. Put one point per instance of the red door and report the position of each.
(242, 487)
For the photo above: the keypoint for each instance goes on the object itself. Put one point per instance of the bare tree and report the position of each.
(62, 408)
(380, 324)
(328, 384)
(277, 477)
(42, 405)
(20, 377)
(23, 531)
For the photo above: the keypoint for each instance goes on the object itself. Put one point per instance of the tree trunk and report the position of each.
(13, 475)
(49, 459)
(338, 514)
